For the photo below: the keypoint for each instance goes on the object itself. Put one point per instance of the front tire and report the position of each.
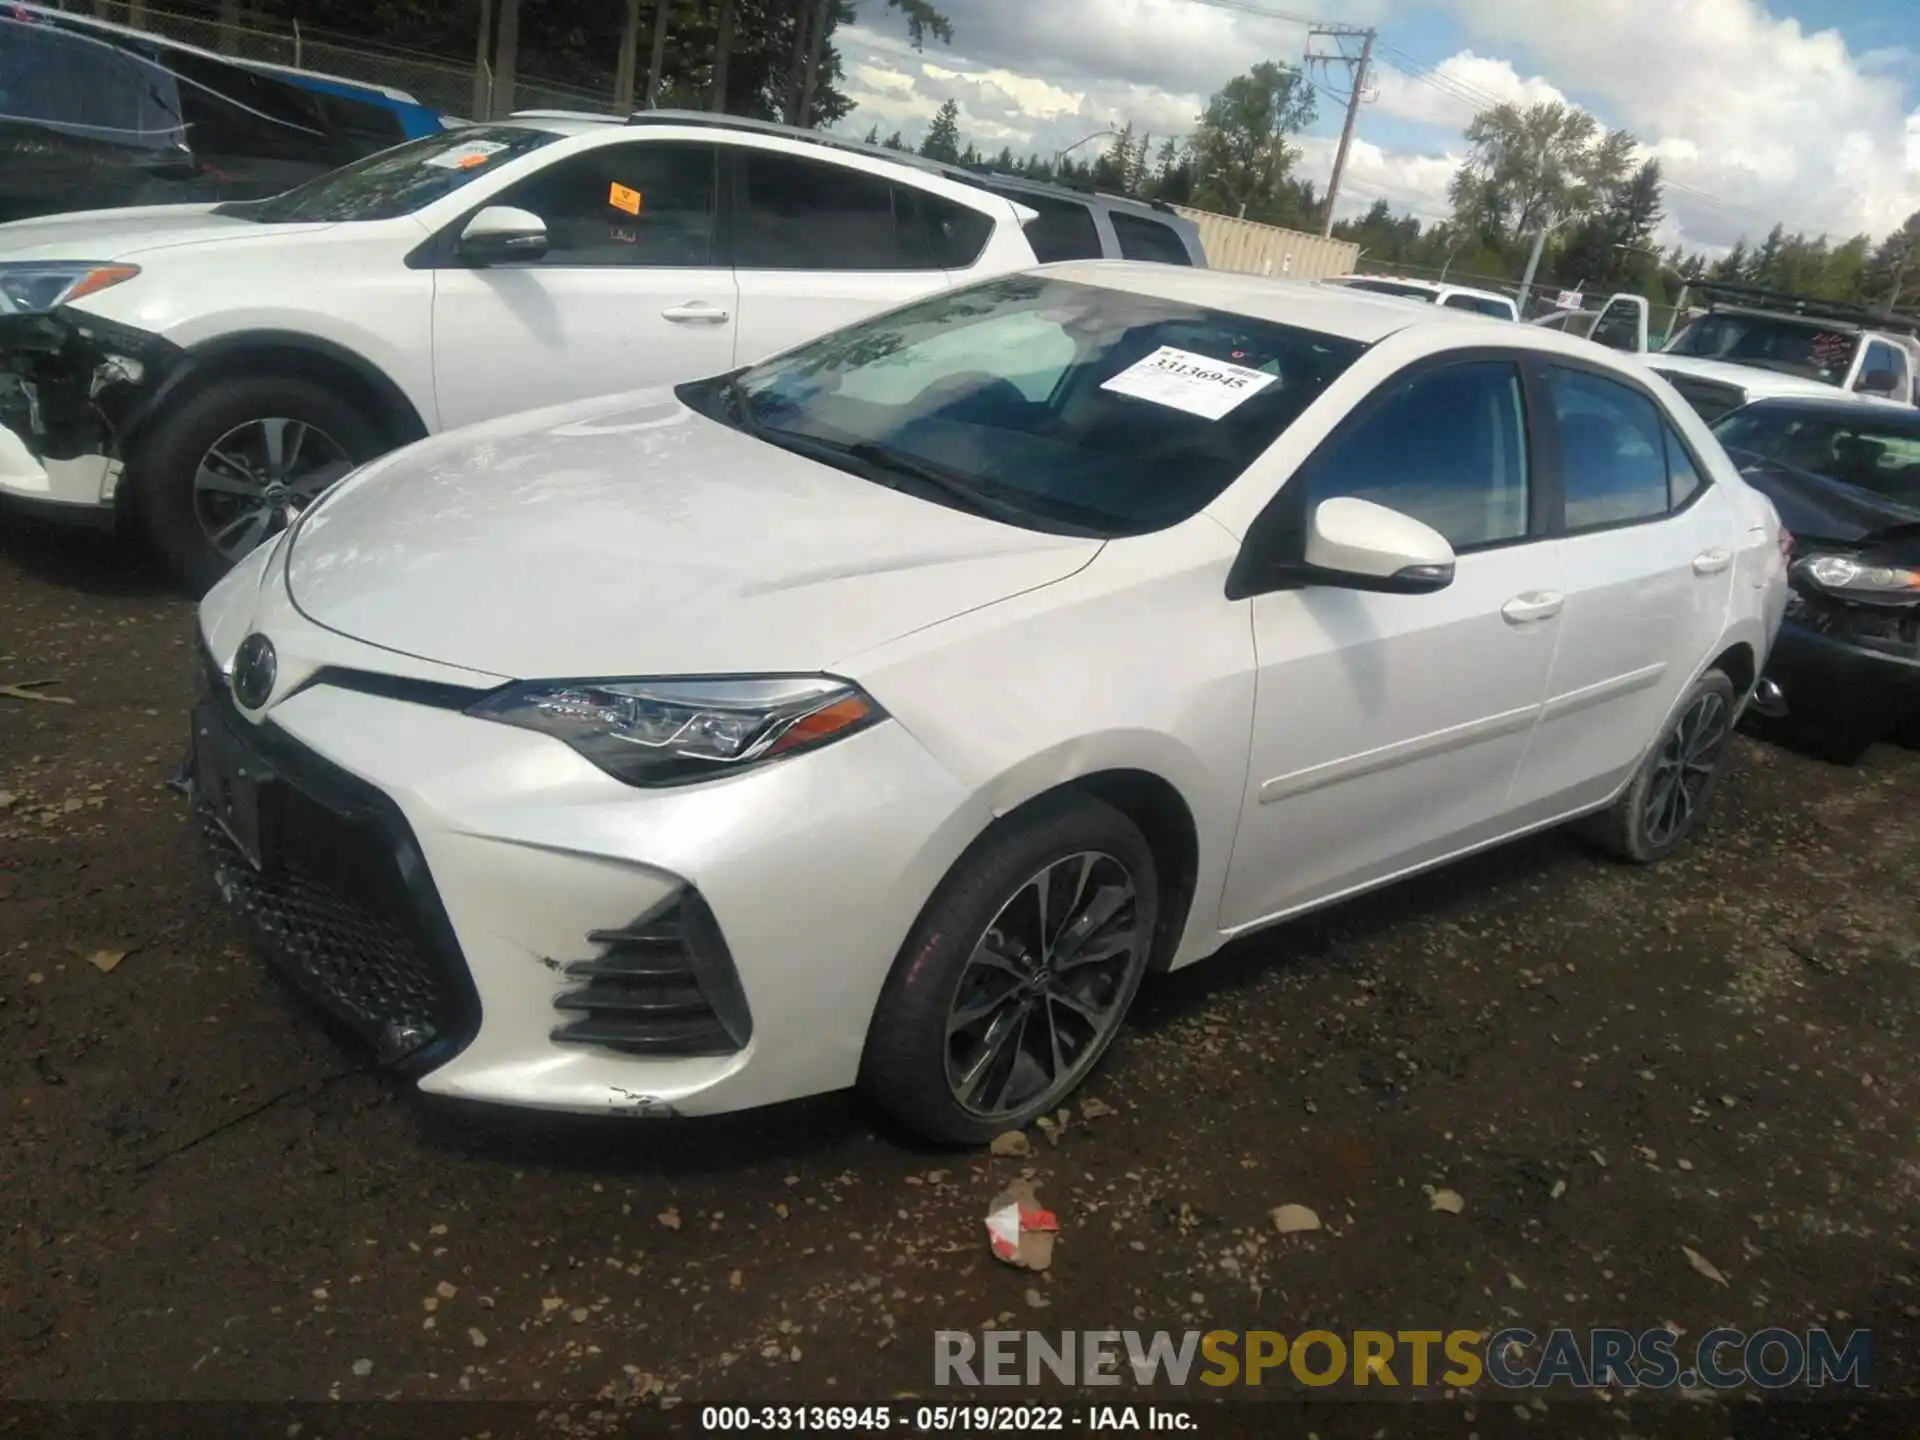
(1668, 799)
(1018, 974)
(232, 464)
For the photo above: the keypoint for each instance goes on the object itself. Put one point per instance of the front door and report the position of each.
(1649, 555)
(628, 294)
(1388, 728)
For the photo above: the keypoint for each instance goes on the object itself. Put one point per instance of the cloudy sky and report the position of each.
(1803, 111)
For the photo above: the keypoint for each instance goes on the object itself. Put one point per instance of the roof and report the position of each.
(1331, 309)
(1891, 417)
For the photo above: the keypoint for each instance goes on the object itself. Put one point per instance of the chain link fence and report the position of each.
(442, 85)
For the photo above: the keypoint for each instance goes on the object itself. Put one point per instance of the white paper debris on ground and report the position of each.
(1448, 1201)
(1020, 1229)
(1183, 380)
(1705, 1266)
(107, 961)
(1294, 1219)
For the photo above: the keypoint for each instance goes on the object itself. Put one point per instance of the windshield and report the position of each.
(1046, 403)
(398, 181)
(1877, 452)
(1387, 287)
(1772, 343)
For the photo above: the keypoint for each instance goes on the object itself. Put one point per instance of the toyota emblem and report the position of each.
(254, 669)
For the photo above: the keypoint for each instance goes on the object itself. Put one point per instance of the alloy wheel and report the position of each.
(1045, 987)
(257, 478)
(1684, 767)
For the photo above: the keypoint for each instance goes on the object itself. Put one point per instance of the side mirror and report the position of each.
(1877, 382)
(503, 232)
(1358, 545)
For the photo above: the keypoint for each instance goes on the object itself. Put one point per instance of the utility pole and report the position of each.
(1357, 74)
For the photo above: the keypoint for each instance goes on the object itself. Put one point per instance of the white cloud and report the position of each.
(1439, 101)
(1771, 121)
(1775, 122)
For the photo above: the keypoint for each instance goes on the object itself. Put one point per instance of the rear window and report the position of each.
(1060, 229)
(1144, 239)
(1388, 287)
(1074, 406)
(1479, 305)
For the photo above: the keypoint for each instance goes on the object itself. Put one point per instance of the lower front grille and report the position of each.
(664, 985)
(363, 967)
(343, 905)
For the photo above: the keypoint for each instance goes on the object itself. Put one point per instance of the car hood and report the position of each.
(1755, 380)
(1815, 506)
(125, 233)
(633, 536)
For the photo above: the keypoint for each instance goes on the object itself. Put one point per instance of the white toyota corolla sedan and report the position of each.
(885, 711)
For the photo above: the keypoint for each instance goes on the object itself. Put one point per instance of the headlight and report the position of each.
(35, 287)
(671, 732)
(1845, 576)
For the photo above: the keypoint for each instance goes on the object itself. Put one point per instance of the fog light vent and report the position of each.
(663, 985)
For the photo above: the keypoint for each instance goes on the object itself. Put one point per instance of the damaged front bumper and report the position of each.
(74, 390)
(1852, 666)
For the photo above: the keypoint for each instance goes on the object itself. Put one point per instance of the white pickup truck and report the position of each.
(1753, 346)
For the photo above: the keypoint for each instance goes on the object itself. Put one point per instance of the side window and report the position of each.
(1618, 328)
(1023, 349)
(1060, 229)
(946, 233)
(1478, 305)
(1684, 479)
(1613, 455)
(1882, 356)
(646, 204)
(75, 83)
(1144, 239)
(1448, 447)
(805, 215)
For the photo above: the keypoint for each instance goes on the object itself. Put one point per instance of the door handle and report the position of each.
(1712, 562)
(696, 311)
(1532, 607)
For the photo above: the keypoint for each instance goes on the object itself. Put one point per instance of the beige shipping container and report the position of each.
(1249, 248)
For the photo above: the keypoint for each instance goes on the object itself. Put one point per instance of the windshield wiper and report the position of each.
(740, 405)
(960, 488)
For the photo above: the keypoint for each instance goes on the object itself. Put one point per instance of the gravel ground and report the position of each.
(205, 1196)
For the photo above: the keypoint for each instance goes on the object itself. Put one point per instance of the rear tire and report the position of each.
(1669, 798)
(226, 469)
(1000, 1006)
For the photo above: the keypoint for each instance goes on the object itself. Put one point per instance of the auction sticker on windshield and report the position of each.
(1194, 383)
(465, 157)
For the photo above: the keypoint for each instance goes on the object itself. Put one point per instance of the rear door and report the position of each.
(818, 244)
(1649, 552)
(631, 291)
(1622, 325)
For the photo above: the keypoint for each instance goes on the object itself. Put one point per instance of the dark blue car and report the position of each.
(94, 116)
(1845, 478)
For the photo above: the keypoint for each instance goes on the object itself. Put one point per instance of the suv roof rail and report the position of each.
(710, 120)
(975, 175)
(1757, 297)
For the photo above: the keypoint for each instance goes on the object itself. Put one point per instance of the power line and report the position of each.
(1467, 93)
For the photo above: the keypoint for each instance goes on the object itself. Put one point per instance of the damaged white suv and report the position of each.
(205, 371)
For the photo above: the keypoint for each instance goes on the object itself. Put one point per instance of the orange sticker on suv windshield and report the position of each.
(621, 198)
